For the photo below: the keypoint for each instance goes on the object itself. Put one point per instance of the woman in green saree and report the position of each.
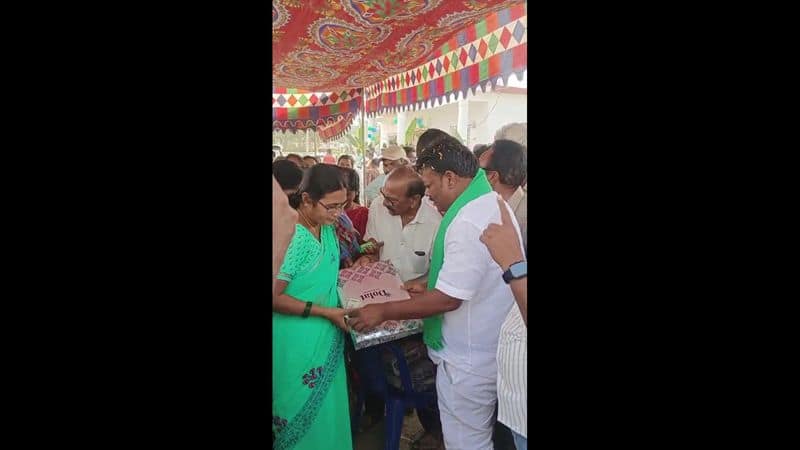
(310, 405)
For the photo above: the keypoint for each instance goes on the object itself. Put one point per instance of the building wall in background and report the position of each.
(487, 113)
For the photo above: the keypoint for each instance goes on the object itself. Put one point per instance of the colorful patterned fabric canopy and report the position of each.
(491, 49)
(300, 110)
(335, 131)
(406, 52)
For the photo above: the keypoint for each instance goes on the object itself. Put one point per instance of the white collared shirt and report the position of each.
(469, 273)
(512, 373)
(519, 204)
(402, 245)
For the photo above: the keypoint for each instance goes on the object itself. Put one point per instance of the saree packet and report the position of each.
(376, 282)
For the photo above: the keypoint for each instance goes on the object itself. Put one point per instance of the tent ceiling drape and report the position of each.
(406, 53)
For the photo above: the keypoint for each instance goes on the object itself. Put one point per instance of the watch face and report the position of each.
(519, 269)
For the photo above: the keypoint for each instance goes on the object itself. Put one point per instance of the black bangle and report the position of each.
(307, 310)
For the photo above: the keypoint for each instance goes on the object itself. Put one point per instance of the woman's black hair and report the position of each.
(352, 181)
(287, 174)
(318, 181)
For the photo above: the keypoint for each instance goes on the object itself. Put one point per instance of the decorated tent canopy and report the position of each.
(491, 49)
(294, 110)
(336, 130)
(406, 54)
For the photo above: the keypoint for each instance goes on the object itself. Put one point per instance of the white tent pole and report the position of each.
(363, 145)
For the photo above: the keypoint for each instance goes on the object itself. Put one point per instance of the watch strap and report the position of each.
(508, 276)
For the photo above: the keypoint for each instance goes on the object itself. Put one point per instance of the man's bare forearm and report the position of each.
(424, 305)
(423, 280)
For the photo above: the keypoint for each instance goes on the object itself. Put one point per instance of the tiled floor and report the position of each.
(372, 438)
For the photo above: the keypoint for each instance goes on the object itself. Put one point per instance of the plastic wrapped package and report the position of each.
(376, 282)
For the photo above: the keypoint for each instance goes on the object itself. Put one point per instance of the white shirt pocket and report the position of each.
(419, 263)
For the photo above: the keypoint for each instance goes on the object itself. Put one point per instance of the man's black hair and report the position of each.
(350, 157)
(430, 136)
(510, 161)
(479, 149)
(415, 184)
(287, 174)
(448, 154)
(312, 157)
(416, 187)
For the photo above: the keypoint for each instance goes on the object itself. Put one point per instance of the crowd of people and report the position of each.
(453, 222)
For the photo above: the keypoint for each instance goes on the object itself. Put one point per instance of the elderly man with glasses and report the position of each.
(404, 223)
(407, 226)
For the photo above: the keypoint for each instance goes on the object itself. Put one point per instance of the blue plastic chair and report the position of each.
(371, 372)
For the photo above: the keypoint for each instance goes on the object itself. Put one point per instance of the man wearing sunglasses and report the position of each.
(505, 163)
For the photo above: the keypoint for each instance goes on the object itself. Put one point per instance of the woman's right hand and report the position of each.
(363, 260)
(336, 315)
(347, 263)
(371, 246)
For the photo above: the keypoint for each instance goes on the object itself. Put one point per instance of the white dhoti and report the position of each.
(466, 406)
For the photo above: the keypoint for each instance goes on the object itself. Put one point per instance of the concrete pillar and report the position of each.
(463, 120)
(402, 125)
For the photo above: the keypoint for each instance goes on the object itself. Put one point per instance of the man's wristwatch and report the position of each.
(516, 271)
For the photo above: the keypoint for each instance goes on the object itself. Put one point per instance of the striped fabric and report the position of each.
(512, 373)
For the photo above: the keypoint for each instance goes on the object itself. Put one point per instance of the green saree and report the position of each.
(309, 386)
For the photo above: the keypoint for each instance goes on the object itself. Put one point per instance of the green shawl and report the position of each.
(432, 326)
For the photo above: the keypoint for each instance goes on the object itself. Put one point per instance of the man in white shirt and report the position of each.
(506, 166)
(404, 223)
(512, 348)
(512, 356)
(517, 132)
(392, 157)
(469, 291)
